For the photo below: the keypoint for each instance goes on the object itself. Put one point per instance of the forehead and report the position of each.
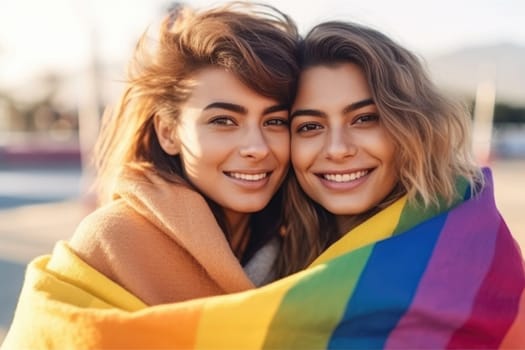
(214, 84)
(343, 83)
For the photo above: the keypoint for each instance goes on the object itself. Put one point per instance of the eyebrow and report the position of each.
(242, 110)
(317, 113)
(359, 104)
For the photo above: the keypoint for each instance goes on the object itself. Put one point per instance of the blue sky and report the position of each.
(37, 35)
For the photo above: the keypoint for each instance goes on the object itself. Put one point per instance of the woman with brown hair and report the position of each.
(203, 123)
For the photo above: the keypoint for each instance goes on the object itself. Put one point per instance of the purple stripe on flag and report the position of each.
(497, 300)
(460, 261)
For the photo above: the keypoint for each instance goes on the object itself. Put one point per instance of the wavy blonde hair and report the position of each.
(431, 132)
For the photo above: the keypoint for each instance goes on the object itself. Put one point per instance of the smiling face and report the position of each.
(341, 153)
(233, 142)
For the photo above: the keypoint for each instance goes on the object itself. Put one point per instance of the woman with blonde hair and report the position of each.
(386, 179)
(423, 137)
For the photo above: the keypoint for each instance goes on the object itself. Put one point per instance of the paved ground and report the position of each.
(25, 233)
(28, 231)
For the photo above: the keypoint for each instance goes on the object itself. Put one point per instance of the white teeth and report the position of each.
(248, 177)
(345, 177)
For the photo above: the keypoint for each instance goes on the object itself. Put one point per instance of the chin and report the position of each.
(342, 210)
(247, 209)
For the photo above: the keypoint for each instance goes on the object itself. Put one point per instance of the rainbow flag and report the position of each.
(403, 279)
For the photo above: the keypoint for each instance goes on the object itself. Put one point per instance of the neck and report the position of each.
(238, 225)
(346, 223)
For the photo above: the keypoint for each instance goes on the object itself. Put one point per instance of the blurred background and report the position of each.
(62, 61)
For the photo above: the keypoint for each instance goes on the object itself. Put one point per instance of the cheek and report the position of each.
(296, 155)
(389, 151)
(389, 158)
(303, 152)
(200, 153)
(280, 146)
(190, 140)
(284, 142)
(379, 144)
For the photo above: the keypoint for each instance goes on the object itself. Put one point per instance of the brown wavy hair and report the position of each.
(430, 131)
(256, 42)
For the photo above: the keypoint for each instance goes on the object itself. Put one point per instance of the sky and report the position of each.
(37, 35)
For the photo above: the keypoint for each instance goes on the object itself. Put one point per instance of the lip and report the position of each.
(251, 182)
(346, 179)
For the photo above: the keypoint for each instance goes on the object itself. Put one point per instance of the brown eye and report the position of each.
(367, 118)
(276, 122)
(223, 120)
(305, 127)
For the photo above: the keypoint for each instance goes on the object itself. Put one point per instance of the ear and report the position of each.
(166, 134)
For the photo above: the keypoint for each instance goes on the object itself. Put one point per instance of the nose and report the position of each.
(339, 146)
(254, 144)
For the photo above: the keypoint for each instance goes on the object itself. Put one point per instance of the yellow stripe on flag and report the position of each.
(73, 270)
(222, 318)
(375, 229)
